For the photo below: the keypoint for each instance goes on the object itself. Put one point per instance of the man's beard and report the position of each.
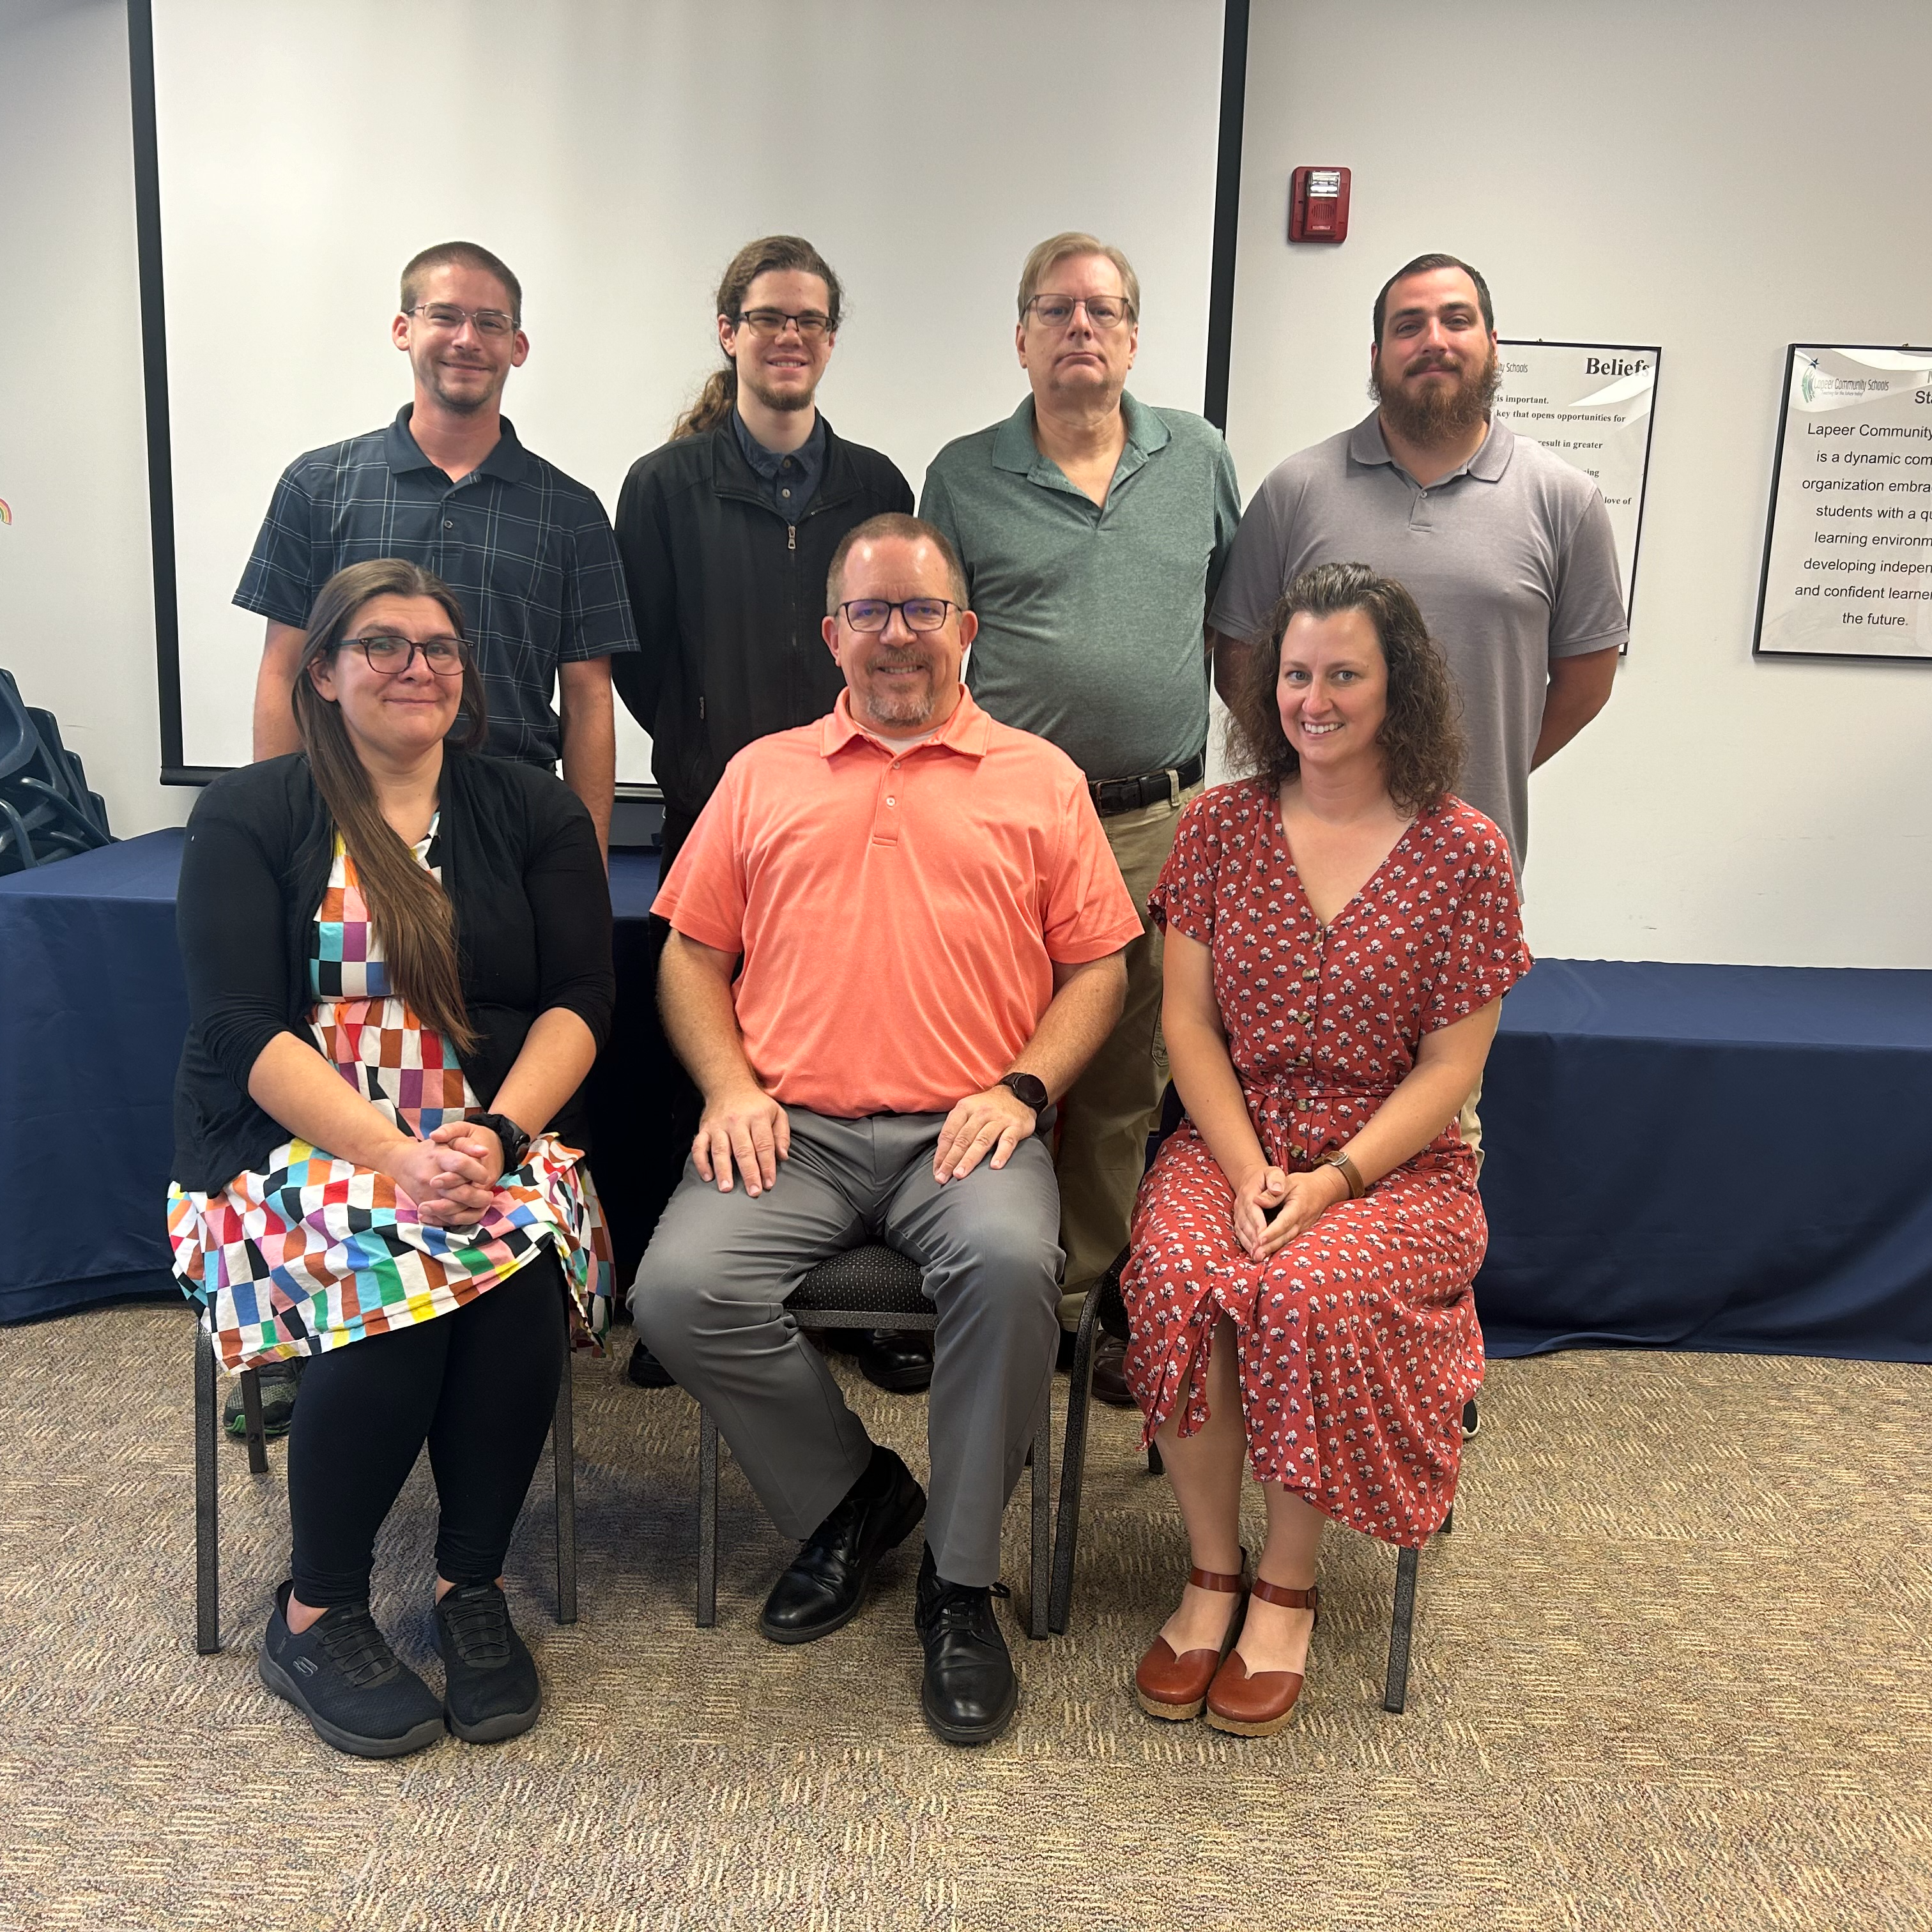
(899, 708)
(1435, 416)
(457, 404)
(782, 402)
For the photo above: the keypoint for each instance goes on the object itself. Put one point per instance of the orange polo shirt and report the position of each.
(900, 912)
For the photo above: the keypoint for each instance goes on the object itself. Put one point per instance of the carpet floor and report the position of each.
(1673, 1669)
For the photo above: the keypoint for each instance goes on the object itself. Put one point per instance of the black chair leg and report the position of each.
(251, 1414)
(1041, 1456)
(1395, 1691)
(563, 1457)
(207, 1427)
(707, 1519)
(1073, 1464)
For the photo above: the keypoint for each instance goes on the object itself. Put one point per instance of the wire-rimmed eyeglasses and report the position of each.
(390, 656)
(447, 315)
(1103, 311)
(875, 613)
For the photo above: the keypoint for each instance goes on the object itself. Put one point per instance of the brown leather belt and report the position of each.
(1113, 796)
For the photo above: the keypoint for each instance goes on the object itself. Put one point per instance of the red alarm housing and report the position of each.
(1317, 204)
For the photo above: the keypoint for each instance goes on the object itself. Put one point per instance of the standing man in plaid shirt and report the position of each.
(447, 485)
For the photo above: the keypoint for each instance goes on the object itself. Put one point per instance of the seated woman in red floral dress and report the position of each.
(1340, 931)
(398, 965)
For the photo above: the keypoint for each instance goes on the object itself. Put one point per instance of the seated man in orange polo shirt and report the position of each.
(930, 924)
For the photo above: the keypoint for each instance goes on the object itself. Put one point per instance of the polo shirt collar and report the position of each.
(1367, 445)
(966, 731)
(1014, 448)
(401, 451)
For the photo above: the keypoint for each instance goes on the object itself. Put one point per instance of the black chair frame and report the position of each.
(1103, 1309)
(207, 1487)
(828, 1297)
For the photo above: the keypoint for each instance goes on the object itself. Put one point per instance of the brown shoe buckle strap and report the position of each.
(1278, 1593)
(1219, 1580)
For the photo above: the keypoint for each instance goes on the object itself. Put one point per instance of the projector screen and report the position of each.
(616, 153)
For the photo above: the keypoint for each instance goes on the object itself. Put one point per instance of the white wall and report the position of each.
(76, 596)
(1722, 180)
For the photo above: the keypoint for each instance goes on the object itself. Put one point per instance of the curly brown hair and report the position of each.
(1421, 735)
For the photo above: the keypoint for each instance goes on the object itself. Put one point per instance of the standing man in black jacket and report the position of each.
(726, 533)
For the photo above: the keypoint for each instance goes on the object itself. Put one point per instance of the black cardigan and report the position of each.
(520, 862)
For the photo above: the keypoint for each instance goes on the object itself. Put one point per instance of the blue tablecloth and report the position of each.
(1694, 1157)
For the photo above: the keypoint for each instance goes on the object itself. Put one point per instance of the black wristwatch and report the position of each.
(1027, 1090)
(516, 1144)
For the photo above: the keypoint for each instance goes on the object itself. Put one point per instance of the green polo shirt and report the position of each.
(1091, 615)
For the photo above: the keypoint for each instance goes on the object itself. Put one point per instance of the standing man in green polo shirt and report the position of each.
(1093, 529)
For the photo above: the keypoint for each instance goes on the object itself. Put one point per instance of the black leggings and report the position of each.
(478, 1385)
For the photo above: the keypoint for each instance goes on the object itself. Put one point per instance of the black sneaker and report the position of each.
(490, 1679)
(341, 1674)
(969, 1693)
(277, 1382)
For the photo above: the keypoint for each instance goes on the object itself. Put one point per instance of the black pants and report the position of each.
(478, 1386)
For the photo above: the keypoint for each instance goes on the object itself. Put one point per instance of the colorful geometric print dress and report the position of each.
(1357, 1343)
(315, 1252)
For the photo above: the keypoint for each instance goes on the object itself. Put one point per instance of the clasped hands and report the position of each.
(451, 1175)
(748, 1128)
(1273, 1206)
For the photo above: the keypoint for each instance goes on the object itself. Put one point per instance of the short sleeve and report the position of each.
(1485, 955)
(598, 622)
(1089, 913)
(705, 897)
(1589, 613)
(1182, 898)
(279, 583)
(1227, 517)
(935, 507)
(1251, 584)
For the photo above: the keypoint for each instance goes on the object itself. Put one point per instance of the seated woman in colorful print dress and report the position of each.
(1340, 931)
(398, 963)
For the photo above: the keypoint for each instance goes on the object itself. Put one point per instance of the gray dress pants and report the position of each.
(708, 1295)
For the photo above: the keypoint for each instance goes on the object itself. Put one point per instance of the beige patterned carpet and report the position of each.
(1672, 1670)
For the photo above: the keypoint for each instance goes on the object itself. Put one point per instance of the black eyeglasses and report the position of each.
(447, 315)
(1102, 312)
(390, 657)
(874, 614)
(812, 324)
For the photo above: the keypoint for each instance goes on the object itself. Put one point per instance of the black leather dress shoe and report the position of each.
(646, 1371)
(826, 1585)
(969, 1694)
(900, 1360)
(1110, 1372)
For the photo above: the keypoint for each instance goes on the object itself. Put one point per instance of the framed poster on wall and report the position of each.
(1590, 403)
(1848, 538)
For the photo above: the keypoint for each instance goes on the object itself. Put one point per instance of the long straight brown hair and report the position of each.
(414, 920)
(720, 392)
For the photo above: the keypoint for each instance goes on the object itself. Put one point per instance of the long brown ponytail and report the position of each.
(720, 392)
(413, 918)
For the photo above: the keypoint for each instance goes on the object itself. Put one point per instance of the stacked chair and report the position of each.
(46, 811)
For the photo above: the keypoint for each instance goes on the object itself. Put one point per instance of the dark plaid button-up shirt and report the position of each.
(528, 551)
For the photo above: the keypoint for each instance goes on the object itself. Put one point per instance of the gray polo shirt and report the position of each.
(1510, 558)
(1090, 615)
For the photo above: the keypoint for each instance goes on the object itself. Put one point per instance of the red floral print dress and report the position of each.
(1357, 1343)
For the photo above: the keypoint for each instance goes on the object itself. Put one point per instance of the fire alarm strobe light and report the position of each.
(1317, 204)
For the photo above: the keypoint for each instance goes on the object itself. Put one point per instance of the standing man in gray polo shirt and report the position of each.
(1506, 548)
(1093, 530)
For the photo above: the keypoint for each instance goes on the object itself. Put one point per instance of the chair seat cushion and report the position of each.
(871, 1280)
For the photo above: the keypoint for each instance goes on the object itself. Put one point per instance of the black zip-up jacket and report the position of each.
(520, 863)
(728, 599)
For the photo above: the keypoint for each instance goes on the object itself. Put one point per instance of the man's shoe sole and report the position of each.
(897, 1382)
(971, 1734)
(900, 1531)
(425, 1735)
(493, 1730)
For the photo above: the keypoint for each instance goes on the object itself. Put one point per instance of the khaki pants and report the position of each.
(1111, 1109)
(1471, 1123)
